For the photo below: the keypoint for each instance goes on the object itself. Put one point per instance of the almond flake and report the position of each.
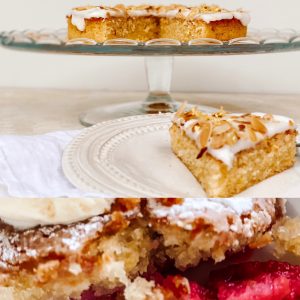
(220, 113)
(196, 128)
(218, 141)
(252, 134)
(222, 128)
(242, 122)
(258, 125)
(268, 117)
(291, 123)
(205, 134)
(232, 138)
(245, 115)
(181, 109)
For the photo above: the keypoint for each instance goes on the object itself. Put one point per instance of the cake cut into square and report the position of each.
(228, 153)
(194, 230)
(202, 22)
(146, 22)
(60, 261)
(105, 23)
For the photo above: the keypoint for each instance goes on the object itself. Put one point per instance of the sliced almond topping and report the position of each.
(242, 134)
(242, 122)
(218, 141)
(258, 125)
(194, 111)
(205, 134)
(291, 123)
(181, 109)
(196, 128)
(252, 134)
(222, 128)
(220, 113)
(232, 138)
(268, 117)
(245, 115)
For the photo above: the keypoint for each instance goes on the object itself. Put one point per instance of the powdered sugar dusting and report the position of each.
(240, 215)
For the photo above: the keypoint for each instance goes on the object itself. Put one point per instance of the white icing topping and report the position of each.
(139, 13)
(243, 17)
(212, 17)
(78, 17)
(227, 153)
(168, 13)
(216, 212)
(28, 213)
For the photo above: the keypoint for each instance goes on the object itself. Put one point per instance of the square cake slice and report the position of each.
(200, 229)
(228, 153)
(101, 23)
(64, 259)
(189, 23)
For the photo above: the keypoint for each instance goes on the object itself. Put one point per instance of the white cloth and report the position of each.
(30, 166)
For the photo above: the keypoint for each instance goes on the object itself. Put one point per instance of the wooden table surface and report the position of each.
(35, 111)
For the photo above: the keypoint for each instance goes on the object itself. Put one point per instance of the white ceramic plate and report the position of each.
(132, 157)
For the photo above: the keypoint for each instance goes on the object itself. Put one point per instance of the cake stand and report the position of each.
(158, 53)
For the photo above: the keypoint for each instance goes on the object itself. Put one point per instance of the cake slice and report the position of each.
(286, 236)
(204, 21)
(146, 22)
(228, 153)
(198, 229)
(58, 261)
(101, 23)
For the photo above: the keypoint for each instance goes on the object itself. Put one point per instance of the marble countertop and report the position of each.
(36, 111)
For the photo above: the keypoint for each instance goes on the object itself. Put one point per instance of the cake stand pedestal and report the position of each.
(159, 75)
(159, 55)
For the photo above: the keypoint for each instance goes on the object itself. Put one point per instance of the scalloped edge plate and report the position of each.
(132, 157)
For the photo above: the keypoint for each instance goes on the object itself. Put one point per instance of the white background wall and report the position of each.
(279, 73)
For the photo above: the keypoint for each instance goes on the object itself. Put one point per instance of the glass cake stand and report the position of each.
(158, 53)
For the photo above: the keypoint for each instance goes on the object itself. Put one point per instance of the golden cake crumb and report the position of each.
(286, 236)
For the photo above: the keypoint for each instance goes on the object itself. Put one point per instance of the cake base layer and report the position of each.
(101, 30)
(186, 30)
(148, 28)
(251, 166)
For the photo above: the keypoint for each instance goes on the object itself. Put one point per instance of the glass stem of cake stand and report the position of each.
(159, 74)
(159, 71)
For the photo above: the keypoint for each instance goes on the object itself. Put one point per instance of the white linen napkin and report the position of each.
(30, 166)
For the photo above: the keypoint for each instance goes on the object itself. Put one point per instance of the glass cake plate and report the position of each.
(158, 55)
